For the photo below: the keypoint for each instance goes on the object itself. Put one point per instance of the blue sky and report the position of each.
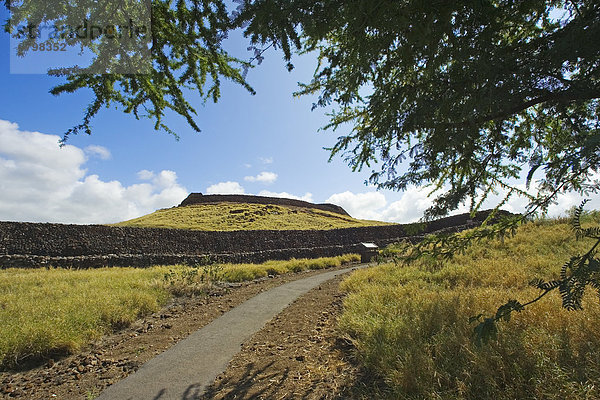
(264, 144)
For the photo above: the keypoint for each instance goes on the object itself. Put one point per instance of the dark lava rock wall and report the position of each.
(199, 198)
(30, 245)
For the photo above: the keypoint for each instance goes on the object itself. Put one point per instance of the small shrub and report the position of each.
(183, 280)
(297, 265)
(242, 272)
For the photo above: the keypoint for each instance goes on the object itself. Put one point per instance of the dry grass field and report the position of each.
(410, 324)
(58, 311)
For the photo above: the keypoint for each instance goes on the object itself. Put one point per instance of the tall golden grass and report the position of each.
(410, 324)
(57, 311)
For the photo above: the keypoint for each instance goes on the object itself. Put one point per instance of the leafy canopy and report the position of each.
(465, 95)
(186, 56)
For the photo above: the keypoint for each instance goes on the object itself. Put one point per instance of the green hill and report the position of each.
(243, 216)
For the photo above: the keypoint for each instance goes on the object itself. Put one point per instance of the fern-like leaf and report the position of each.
(537, 283)
(579, 234)
(592, 233)
(571, 295)
(568, 266)
(543, 285)
(485, 331)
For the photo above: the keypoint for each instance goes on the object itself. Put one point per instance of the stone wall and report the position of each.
(199, 198)
(146, 260)
(30, 245)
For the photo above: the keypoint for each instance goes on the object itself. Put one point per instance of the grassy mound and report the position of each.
(57, 311)
(241, 216)
(410, 324)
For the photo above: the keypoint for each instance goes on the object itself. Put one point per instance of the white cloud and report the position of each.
(411, 206)
(225, 188)
(563, 203)
(98, 151)
(145, 175)
(414, 201)
(263, 177)
(165, 179)
(360, 205)
(41, 182)
(266, 160)
(307, 196)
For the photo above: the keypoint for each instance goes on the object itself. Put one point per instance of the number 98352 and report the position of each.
(49, 46)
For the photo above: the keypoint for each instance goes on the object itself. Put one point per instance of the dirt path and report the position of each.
(298, 355)
(85, 375)
(188, 368)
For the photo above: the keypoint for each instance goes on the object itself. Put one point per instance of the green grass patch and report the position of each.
(244, 272)
(241, 216)
(57, 311)
(410, 324)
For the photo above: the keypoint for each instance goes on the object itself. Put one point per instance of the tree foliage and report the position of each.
(465, 97)
(462, 96)
(186, 52)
